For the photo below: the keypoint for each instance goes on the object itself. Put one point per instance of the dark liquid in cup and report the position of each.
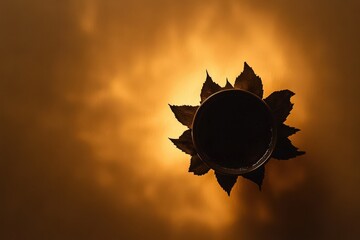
(233, 129)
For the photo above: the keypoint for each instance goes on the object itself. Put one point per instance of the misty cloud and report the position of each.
(84, 88)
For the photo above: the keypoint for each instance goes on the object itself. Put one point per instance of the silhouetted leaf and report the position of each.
(228, 85)
(197, 166)
(184, 143)
(249, 81)
(280, 105)
(256, 176)
(208, 88)
(184, 114)
(226, 181)
(285, 150)
(285, 131)
(278, 102)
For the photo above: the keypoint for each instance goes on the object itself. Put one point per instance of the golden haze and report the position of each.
(84, 88)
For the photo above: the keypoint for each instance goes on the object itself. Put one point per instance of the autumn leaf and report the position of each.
(184, 114)
(184, 143)
(226, 181)
(249, 81)
(256, 176)
(284, 150)
(208, 88)
(286, 131)
(197, 166)
(280, 105)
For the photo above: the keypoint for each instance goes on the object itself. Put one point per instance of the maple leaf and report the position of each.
(280, 107)
(249, 81)
(184, 143)
(284, 150)
(197, 166)
(280, 104)
(256, 176)
(286, 131)
(226, 181)
(184, 114)
(208, 88)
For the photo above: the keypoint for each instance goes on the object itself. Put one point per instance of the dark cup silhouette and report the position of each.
(234, 132)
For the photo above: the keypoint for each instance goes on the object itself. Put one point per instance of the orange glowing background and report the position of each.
(84, 120)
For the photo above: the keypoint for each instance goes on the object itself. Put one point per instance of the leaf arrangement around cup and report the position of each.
(280, 107)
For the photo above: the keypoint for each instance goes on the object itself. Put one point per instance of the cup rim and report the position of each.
(242, 170)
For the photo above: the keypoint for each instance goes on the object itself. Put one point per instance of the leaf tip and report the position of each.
(208, 78)
(228, 191)
(247, 67)
(301, 153)
(226, 182)
(289, 93)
